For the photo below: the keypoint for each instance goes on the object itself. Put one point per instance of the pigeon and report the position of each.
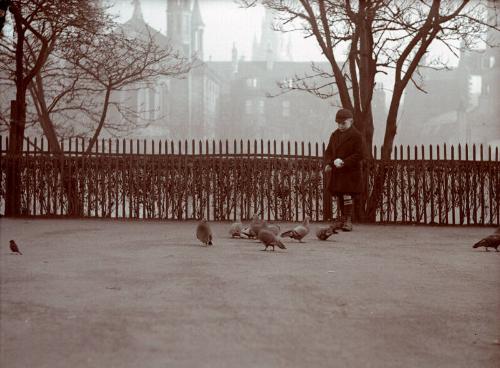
(491, 241)
(247, 232)
(204, 233)
(324, 233)
(275, 229)
(13, 247)
(255, 226)
(236, 229)
(270, 240)
(299, 231)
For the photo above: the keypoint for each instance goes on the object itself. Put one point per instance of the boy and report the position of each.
(343, 157)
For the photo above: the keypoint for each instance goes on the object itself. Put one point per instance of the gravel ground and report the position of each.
(109, 293)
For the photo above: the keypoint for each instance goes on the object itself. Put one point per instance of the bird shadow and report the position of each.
(194, 245)
(272, 251)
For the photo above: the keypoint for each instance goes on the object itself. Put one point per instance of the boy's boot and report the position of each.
(347, 213)
(324, 233)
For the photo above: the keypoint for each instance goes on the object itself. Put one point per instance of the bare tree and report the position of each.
(71, 56)
(39, 23)
(96, 67)
(379, 36)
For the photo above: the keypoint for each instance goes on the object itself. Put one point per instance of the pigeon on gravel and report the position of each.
(255, 226)
(204, 233)
(236, 229)
(270, 240)
(299, 231)
(13, 247)
(274, 228)
(491, 241)
(324, 233)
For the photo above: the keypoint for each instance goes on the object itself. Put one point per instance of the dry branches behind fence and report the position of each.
(232, 180)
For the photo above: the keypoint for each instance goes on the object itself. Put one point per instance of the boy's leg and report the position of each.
(338, 222)
(340, 207)
(347, 212)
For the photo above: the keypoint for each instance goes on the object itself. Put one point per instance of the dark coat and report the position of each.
(347, 146)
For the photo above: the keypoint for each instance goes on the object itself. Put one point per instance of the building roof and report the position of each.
(137, 13)
(196, 20)
(138, 25)
(259, 68)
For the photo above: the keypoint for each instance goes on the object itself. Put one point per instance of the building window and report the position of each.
(475, 84)
(286, 108)
(252, 82)
(492, 61)
(261, 107)
(288, 83)
(248, 106)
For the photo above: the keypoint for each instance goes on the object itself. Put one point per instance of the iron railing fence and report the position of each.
(283, 181)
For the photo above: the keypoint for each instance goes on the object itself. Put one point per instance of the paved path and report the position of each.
(109, 293)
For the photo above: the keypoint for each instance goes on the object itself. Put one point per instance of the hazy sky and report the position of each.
(225, 22)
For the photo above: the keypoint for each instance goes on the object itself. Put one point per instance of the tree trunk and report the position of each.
(13, 185)
(101, 120)
(381, 168)
(391, 124)
(16, 131)
(70, 184)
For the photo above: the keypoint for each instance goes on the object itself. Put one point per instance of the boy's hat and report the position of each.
(342, 115)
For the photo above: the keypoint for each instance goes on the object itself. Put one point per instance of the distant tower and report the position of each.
(269, 58)
(185, 29)
(255, 48)
(234, 59)
(197, 27)
(185, 26)
(288, 52)
(269, 39)
(137, 13)
(486, 127)
(491, 58)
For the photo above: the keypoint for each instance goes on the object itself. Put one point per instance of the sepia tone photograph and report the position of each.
(249, 183)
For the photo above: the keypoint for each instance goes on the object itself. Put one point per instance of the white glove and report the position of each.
(338, 163)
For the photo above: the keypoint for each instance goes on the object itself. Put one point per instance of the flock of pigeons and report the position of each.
(269, 234)
(259, 229)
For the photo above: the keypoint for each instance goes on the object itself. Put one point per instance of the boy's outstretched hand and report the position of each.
(338, 163)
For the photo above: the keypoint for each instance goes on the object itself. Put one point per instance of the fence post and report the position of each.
(327, 197)
(13, 192)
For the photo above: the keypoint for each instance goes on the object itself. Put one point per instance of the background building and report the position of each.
(186, 107)
(229, 99)
(461, 104)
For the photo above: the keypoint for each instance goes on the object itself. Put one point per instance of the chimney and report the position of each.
(234, 59)
(269, 58)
